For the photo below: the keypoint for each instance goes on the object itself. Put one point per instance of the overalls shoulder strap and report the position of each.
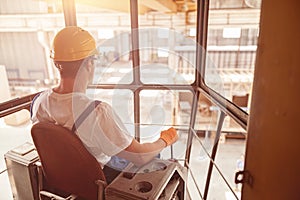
(85, 114)
(32, 102)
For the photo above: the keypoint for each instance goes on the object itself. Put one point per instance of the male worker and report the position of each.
(102, 131)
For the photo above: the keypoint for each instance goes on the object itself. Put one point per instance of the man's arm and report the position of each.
(140, 154)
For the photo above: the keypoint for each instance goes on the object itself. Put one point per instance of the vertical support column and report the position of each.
(69, 12)
(272, 155)
(136, 64)
(202, 20)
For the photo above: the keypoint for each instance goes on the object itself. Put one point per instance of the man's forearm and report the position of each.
(140, 154)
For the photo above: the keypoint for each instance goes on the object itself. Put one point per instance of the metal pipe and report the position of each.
(239, 115)
(213, 153)
(192, 124)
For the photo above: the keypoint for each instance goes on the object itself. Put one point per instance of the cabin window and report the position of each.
(159, 65)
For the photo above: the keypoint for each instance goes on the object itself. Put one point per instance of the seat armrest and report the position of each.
(39, 175)
(101, 187)
(44, 193)
(56, 197)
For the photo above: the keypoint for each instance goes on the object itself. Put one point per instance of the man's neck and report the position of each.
(69, 86)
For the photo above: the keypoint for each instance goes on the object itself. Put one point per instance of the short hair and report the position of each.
(68, 68)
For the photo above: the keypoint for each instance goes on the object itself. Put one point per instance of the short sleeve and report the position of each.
(115, 135)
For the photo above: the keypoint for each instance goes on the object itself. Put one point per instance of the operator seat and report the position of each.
(66, 164)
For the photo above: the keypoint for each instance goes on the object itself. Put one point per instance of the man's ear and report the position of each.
(89, 65)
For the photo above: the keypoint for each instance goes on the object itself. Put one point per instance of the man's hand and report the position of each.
(169, 136)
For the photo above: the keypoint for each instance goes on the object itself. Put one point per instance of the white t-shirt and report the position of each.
(102, 132)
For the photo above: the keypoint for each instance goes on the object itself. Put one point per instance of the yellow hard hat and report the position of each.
(73, 43)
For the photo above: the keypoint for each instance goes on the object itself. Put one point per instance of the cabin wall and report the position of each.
(272, 156)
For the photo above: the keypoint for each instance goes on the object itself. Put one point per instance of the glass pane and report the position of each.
(157, 106)
(199, 162)
(114, 65)
(219, 189)
(121, 101)
(230, 153)
(231, 49)
(167, 44)
(230, 159)
(110, 26)
(166, 107)
(25, 42)
(207, 115)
